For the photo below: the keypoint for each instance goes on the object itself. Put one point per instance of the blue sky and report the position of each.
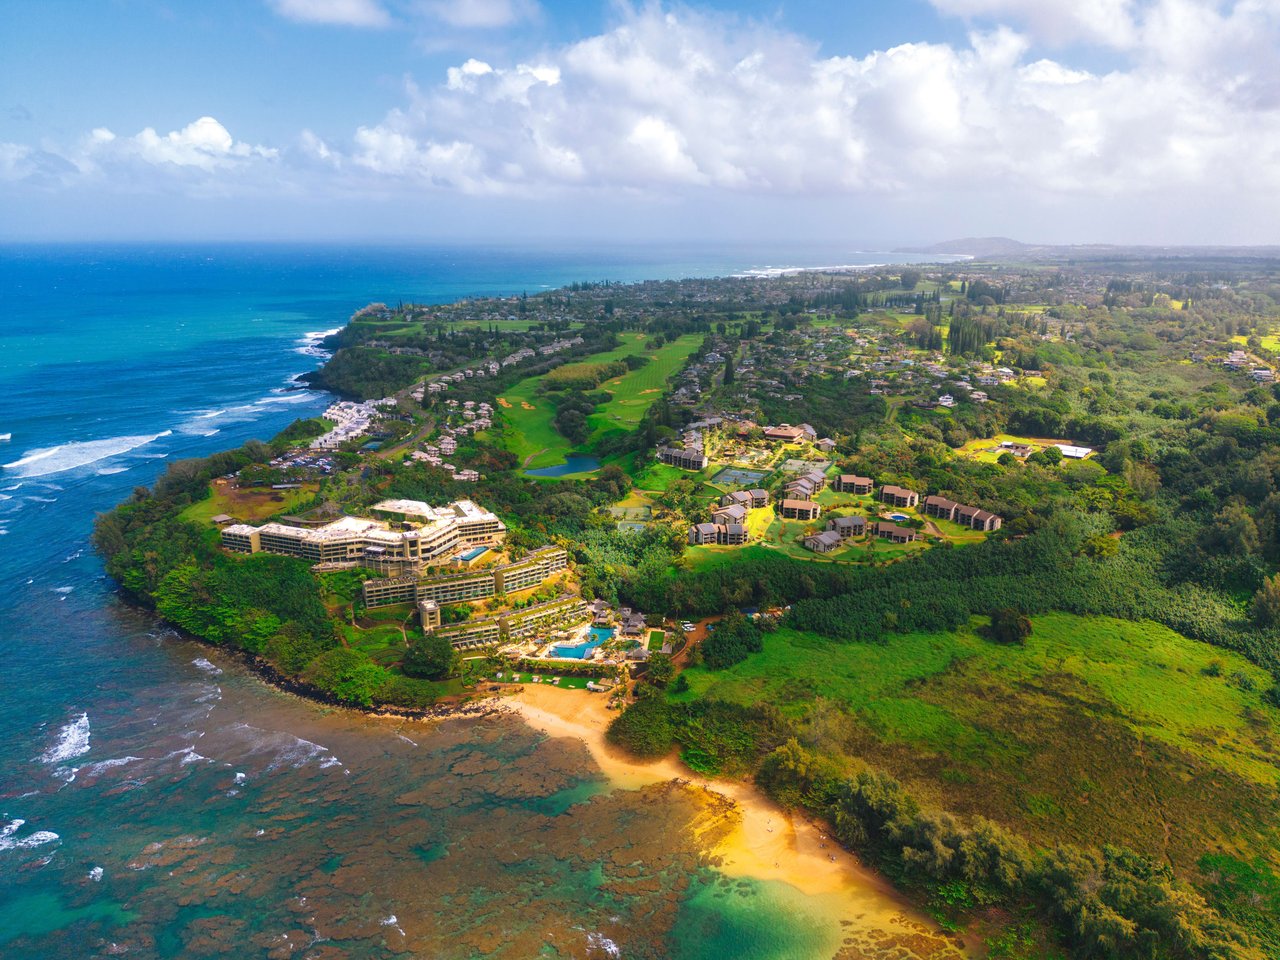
(875, 122)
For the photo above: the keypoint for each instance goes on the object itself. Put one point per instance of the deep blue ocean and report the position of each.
(157, 801)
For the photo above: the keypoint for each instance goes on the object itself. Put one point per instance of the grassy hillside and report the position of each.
(1097, 730)
(529, 432)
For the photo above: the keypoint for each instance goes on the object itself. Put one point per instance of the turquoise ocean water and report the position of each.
(156, 801)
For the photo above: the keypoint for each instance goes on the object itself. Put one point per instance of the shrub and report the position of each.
(644, 729)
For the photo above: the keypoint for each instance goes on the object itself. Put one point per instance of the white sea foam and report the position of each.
(406, 739)
(72, 741)
(43, 461)
(187, 755)
(73, 556)
(285, 749)
(63, 589)
(309, 344)
(202, 664)
(209, 415)
(12, 486)
(111, 471)
(43, 499)
(96, 874)
(598, 941)
(766, 272)
(293, 396)
(5, 496)
(102, 766)
(240, 778)
(9, 839)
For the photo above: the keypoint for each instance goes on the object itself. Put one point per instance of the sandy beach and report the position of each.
(768, 843)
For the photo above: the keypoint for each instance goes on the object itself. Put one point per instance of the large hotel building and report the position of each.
(410, 534)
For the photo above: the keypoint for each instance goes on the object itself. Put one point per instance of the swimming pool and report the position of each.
(898, 516)
(472, 554)
(577, 651)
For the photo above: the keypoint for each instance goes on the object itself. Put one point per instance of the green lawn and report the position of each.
(1096, 729)
(249, 504)
(529, 432)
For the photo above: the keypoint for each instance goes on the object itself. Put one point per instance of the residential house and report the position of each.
(823, 542)
(733, 513)
(892, 532)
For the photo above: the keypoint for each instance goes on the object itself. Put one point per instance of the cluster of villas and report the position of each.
(473, 418)
(1239, 360)
(690, 451)
(491, 368)
(351, 421)
(728, 526)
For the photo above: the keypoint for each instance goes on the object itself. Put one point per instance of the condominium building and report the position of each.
(531, 571)
(898, 496)
(683, 457)
(514, 624)
(799, 509)
(851, 483)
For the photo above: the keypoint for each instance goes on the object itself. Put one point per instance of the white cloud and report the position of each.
(481, 14)
(670, 100)
(673, 105)
(1057, 22)
(350, 13)
(204, 144)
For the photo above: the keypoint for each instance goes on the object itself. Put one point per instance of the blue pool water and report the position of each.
(570, 465)
(595, 637)
(473, 553)
(898, 516)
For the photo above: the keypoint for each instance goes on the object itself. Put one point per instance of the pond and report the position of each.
(573, 464)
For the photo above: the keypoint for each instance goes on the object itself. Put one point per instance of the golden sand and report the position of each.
(769, 844)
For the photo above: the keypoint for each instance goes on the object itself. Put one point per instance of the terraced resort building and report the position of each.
(404, 536)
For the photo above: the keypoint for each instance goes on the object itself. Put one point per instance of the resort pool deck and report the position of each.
(473, 553)
(577, 651)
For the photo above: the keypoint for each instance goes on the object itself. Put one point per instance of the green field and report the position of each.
(988, 450)
(248, 504)
(1096, 730)
(1269, 342)
(529, 432)
(635, 392)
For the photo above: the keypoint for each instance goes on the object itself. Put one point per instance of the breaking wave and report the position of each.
(44, 461)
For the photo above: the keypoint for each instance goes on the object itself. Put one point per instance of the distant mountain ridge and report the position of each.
(1005, 248)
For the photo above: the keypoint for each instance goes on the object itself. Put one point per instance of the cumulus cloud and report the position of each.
(678, 99)
(672, 103)
(349, 13)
